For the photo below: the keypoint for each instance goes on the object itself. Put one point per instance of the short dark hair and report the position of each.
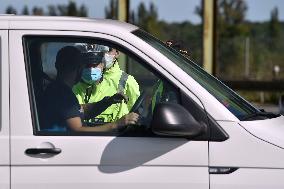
(68, 58)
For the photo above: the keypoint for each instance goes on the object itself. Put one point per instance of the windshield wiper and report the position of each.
(260, 115)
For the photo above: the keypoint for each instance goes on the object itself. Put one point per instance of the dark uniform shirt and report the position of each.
(59, 104)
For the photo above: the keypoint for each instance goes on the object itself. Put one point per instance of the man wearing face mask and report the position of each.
(114, 81)
(120, 81)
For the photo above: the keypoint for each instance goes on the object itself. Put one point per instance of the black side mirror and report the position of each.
(174, 120)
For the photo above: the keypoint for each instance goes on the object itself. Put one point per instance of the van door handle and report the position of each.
(43, 151)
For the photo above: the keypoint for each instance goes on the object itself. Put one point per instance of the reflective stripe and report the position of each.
(122, 82)
(88, 93)
(121, 86)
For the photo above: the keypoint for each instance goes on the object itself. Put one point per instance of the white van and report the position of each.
(201, 135)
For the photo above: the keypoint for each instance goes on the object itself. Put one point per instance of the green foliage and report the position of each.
(25, 10)
(37, 11)
(111, 11)
(231, 17)
(71, 9)
(190, 35)
(11, 10)
(255, 96)
(147, 19)
(83, 12)
(264, 49)
(274, 26)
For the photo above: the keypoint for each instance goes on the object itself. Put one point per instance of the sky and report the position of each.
(168, 10)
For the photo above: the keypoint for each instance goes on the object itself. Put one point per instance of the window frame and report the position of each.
(141, 60)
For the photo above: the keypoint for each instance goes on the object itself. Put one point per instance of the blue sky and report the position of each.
(168, 10)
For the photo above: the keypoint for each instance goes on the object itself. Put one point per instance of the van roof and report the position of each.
(63, 23)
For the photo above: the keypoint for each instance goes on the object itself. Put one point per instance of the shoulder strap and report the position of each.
(122, 82)
(88, 94)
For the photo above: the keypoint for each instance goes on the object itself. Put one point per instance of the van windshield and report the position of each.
(231, 100)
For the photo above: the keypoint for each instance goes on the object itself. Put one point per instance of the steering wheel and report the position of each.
(138, 102)
(135, 108)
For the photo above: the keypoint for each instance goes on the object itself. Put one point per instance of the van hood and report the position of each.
(269, 130)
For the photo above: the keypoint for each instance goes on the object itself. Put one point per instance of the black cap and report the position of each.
(68, 57)
(92, 57)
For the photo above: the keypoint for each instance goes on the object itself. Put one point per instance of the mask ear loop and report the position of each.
(115, 60)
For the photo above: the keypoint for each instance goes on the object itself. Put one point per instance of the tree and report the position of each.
(68, 10)
(62, 10)
(52, 10)
(72, 9)
(111, 12)
(232, 11)
(148, 19)
(38, 11)
(132, 17)
(274, 25)
(83, 12)
(11, 10)
(25, 10)
(141, 19)
(231, 18)
(199, 10)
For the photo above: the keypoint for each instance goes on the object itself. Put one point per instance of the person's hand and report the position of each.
(128, 119)
(117, 98)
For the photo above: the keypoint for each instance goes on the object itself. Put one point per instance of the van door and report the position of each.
(4, 119)
(96, 160)
(249, 161)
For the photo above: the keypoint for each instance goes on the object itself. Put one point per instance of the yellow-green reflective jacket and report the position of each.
(158, 91)
(164, 92)
(108, 87)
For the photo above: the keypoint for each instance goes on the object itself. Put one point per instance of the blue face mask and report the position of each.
(91, 75)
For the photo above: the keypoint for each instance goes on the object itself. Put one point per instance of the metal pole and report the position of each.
(123, 10)
(208, 44)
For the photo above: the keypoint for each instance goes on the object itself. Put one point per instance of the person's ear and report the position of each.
(117, 53)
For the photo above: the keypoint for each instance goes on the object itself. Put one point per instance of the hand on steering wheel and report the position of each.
(135, 108)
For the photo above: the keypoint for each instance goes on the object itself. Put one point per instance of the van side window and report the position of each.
(123, 72)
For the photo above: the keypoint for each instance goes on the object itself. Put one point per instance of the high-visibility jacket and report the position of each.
(163, 92)
(109, 86)
(157, 94)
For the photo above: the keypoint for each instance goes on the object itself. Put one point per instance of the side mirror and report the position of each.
(174, 120)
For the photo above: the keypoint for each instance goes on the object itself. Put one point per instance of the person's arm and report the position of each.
(75, 124)
(92, 110)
